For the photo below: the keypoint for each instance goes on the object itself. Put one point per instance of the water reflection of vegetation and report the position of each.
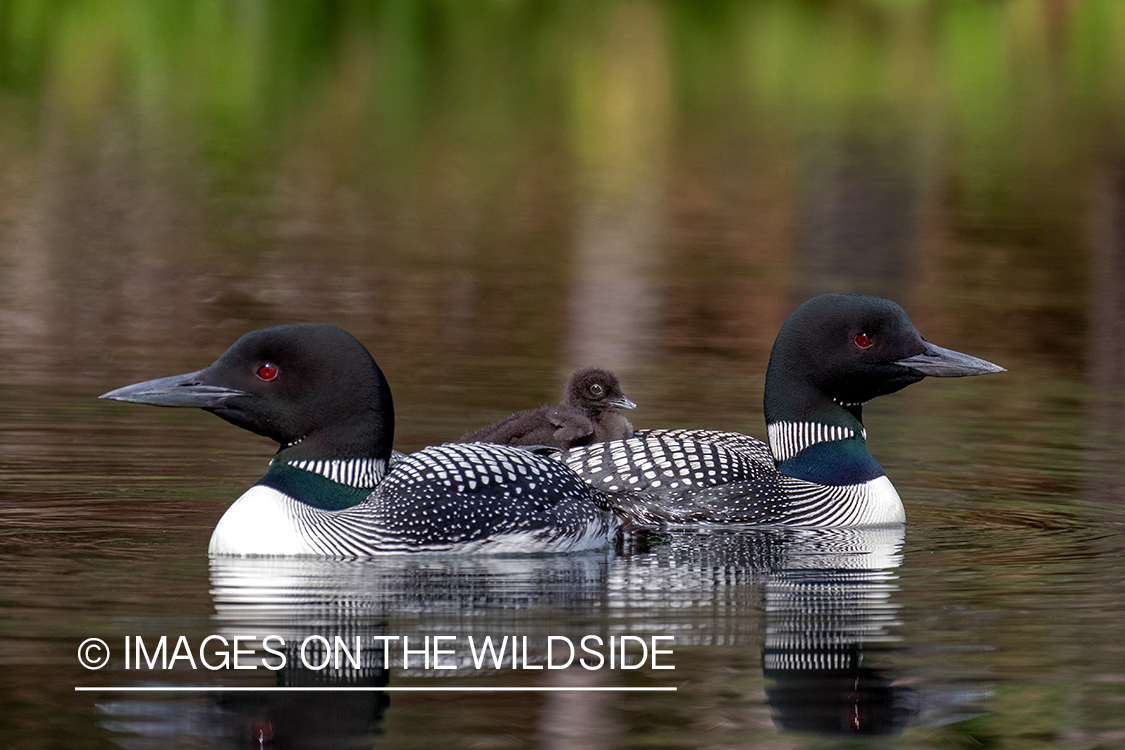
(998, 78)
(396, 112)
(384, 116)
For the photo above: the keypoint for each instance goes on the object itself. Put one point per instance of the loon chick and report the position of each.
(835, 353)
(588, 414)
(317, 391)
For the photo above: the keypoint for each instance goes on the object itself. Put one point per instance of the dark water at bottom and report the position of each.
(928, 636)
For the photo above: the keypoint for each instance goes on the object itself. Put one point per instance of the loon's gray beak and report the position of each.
(177, 390)
(937, 362)
(622, 403)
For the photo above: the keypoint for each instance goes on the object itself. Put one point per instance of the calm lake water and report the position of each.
(490, 197)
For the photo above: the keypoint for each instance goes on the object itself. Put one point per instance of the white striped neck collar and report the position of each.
(787, 439)
(363, 473)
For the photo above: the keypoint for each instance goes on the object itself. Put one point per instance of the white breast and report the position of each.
(261, 522)
(882, 505)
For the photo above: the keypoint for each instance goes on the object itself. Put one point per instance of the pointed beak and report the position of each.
(177, 390)
(622, 403)
(937, 362)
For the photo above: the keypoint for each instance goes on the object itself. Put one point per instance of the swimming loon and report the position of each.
(588, 414)
(328, 492)
(835, 353)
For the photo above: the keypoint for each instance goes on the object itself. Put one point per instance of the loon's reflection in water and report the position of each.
(816, 604)
(829, 616)
(823, 600)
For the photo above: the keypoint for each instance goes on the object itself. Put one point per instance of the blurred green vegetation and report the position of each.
(388, 82)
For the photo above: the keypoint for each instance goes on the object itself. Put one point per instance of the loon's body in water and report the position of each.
(316, 391)
(835, 353)
(588, 414)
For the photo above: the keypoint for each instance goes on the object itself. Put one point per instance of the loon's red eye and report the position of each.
(862, 340)
(267, 371)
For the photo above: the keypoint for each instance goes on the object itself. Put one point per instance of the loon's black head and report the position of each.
(595, 390)
(312, 388)
(847, 349)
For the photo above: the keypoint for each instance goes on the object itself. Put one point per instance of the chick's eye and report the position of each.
(862, 340)
(267, 371)
(596, 389)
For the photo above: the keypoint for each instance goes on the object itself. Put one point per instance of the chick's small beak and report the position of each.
(623, 403)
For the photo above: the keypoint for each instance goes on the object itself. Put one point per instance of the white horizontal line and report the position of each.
(387, 689)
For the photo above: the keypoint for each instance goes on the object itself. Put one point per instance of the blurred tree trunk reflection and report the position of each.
(622, 112)
(1105, 417)
(857, 218)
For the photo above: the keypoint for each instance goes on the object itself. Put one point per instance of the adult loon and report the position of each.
(588, 414)
(328, 492)
(835, 353)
